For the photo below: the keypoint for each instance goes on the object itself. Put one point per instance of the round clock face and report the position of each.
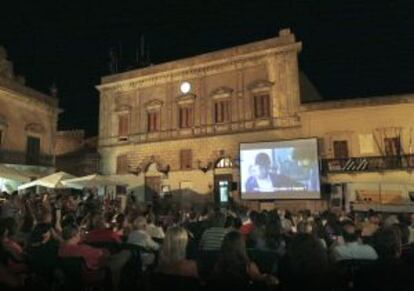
(185, 87)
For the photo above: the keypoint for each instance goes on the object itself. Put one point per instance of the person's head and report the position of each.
(233, 257)
(388, 243)
(120, 221)
(230, 221)
(98, 222)
(305, 227)
(305, 256)
(264, 163)
(405, 233)
(234, 242)
(140, 223)
(41, 233)
(373, 218)
(219, 219)
(11, 225)
(3, 231)
(71, 234)
(174, 246)
(46, 216)
(349, 231)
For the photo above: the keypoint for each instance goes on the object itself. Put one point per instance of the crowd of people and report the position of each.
(55, 241)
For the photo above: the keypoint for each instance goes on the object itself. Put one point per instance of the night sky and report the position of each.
(350, 48)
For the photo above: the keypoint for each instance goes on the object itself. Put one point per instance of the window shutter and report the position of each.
(123, 125)
(340, 149)
(186, 159)
(122, 164)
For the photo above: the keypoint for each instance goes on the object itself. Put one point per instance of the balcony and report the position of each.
(20, 158)
(368, 164)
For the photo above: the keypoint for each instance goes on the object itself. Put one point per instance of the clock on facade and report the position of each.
(185, 87)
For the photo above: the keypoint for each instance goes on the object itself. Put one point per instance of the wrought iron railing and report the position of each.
(368, 164)
(21, 158)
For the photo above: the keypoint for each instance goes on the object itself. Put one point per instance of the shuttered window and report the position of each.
(186, 159)
(392, 146)
(32, 150)
(261, 106)
(122, 164)
(340, 149)
(222, 111)
(123, 126)
(186, 117)
(153, 121)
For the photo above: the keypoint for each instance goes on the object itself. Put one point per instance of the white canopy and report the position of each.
(91, 181)
(127, 180)
(12, 174)
(52, 181)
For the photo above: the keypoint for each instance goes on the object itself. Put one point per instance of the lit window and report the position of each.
(224, 163)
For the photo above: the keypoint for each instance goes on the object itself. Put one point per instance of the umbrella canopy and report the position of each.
(52, 181)
(12, 174)
(91, 181)
(127, 180)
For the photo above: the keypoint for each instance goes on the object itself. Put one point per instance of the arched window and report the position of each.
(224, 163)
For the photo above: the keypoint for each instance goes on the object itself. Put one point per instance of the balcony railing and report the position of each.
(368, 164)
(21, 158)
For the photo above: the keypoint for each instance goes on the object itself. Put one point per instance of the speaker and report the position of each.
(234, 186)
(326, 189)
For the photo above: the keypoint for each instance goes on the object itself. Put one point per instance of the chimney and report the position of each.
(53, 90)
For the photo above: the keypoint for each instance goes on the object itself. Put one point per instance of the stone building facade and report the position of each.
(28, 123)
(178, 125)
(76, 154)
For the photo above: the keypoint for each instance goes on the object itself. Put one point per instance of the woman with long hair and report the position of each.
(172, 257)
(233, 265)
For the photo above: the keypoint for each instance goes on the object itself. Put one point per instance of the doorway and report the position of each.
(152, 188)
(222, 188)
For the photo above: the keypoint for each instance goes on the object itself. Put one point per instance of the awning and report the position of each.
(12, 174)
(53, 181)
(91, 181)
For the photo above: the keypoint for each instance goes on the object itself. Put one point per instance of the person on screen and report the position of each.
(263, 179)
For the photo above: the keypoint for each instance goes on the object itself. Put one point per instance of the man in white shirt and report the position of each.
(352, 248)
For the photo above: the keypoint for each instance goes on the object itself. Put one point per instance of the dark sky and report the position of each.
(350, 48)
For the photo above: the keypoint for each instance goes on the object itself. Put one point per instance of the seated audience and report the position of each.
(389, 272)
(212, 237)
(95, 258)
(172, 259)
(153, 228)
(140, 237)
(306, 265)
(100, 233)
(233, 267)
(43, 249)
(352, 248)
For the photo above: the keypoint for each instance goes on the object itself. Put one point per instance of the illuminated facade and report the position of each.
(178, 125)
(28, 123)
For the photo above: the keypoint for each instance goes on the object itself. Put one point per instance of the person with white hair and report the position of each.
(140, 237)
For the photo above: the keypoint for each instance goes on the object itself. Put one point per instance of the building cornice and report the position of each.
(359, 102)
(188, 69)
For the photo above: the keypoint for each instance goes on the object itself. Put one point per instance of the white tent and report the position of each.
(53, 181)
(12, 174)
(91, 181)
(127, 180)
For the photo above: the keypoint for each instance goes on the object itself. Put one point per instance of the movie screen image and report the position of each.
(280, 170)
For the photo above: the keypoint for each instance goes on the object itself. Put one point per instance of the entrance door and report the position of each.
(222, 188)
(152, 188)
